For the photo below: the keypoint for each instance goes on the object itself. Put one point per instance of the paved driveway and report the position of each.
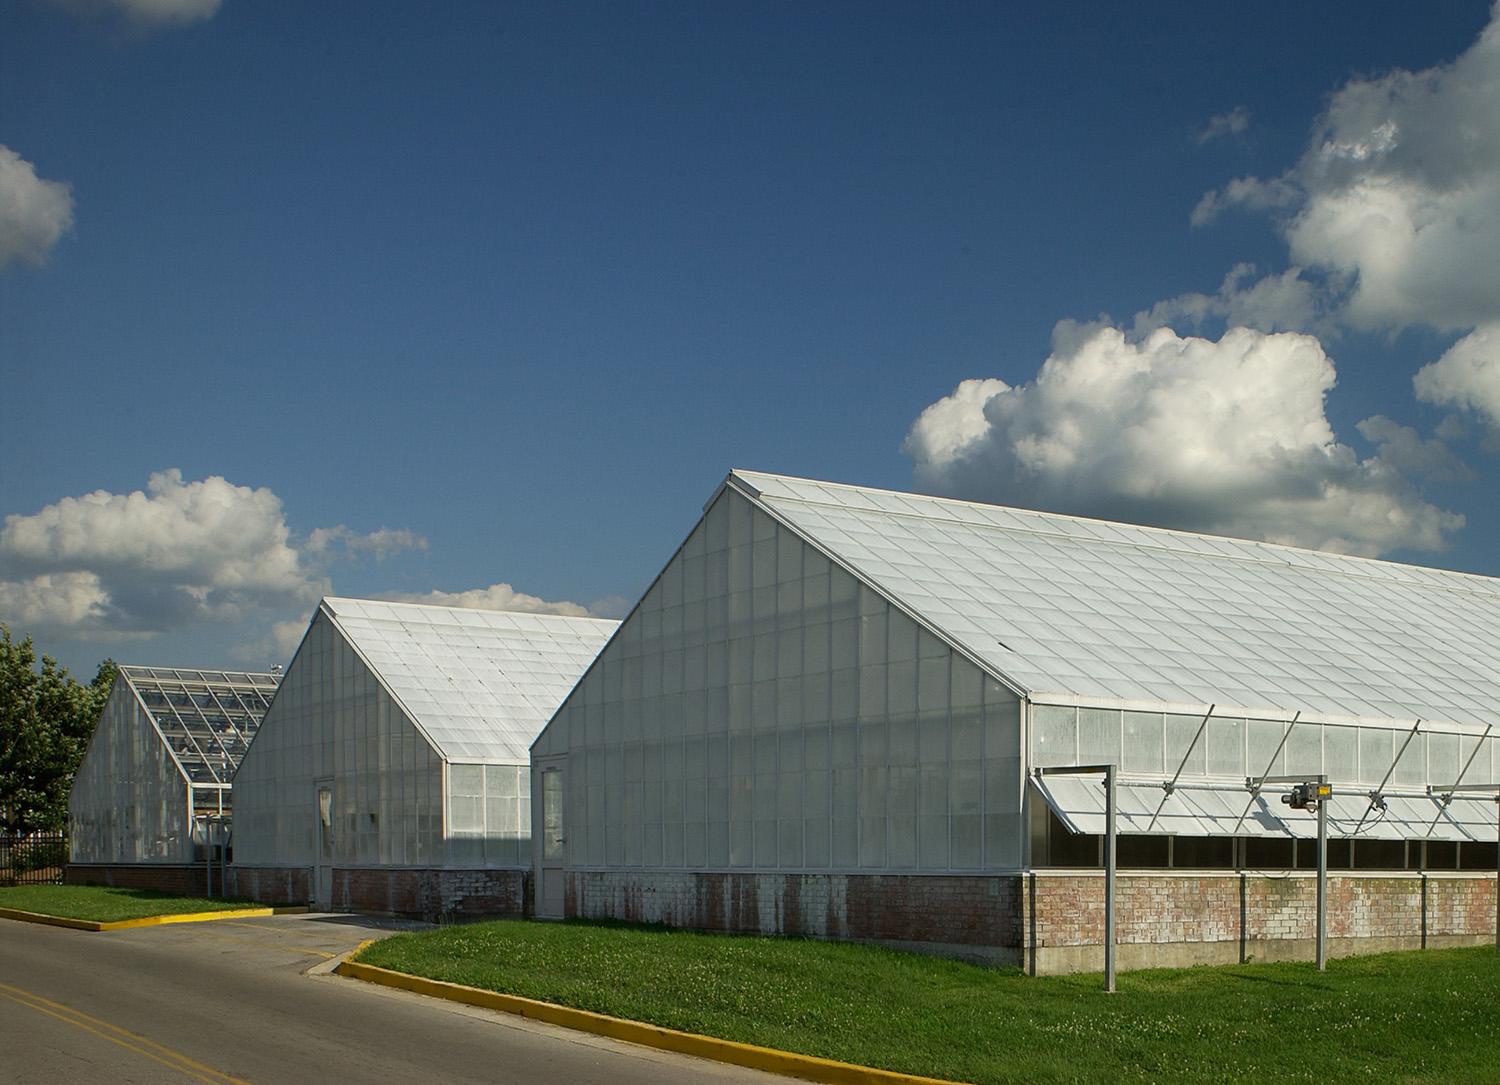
(250, 1000)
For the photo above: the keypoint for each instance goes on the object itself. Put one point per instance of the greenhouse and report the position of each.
(826, 714)
(160, 765)
(390, 774)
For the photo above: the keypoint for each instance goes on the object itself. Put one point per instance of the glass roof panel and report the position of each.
(480, 684)
(207, 717)
(1329, 634)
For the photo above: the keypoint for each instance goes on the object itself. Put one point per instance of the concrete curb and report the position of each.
(750, 1056)
(143, 921)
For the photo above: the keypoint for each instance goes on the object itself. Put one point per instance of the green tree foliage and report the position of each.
(46, 721)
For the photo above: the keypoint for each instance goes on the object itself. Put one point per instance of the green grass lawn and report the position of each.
(1402, 1017)
(104, 905)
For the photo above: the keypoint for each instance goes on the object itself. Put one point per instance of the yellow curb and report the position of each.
(185, 917)
(50, 920)
(144, 921)
(807, 1067)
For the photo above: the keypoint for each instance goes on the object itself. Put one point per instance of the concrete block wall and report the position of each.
(180, 879)
(959, 915)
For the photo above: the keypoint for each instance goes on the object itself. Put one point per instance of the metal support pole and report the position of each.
(1168, 786)
(1445, 795)
(1110, 840)
(1323, 878)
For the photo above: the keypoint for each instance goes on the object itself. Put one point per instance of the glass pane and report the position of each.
(552, 816)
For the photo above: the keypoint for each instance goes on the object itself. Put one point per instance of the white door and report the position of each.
(551, 893)
(323, 868)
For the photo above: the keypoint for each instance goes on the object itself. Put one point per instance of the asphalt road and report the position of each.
(251, 1000)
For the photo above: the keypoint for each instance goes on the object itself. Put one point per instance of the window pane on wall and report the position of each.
(1341, 753)
(1054, 736)
(1099, 736)
(1226, 747)
(1442, 758)
(1182, 740)
(1263, 739)
(1304, 749)
(1143, 733)
(1412, 768)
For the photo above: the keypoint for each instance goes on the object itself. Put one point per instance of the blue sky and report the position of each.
(432, 299)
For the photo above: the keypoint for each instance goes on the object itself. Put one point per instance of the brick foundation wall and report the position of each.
(1054, 921)
(1177, 919)
(967, 916)
(184, 880)
(432, 893)
(271, 885)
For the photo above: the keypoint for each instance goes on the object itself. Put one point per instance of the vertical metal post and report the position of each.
(1322, 878)
(208, 857)
(1109, 878)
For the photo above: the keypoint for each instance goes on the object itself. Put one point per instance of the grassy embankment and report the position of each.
(1402, 1017)
(103, 904)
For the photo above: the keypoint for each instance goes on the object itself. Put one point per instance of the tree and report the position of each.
(46, 721)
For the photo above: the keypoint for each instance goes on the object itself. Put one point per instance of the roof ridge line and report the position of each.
(472, 610)
(1125, 543)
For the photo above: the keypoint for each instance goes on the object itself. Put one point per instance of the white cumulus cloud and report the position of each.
(1396, 199)
(382, 543)
(1232, 123)
(177, 553)
(1467, 376)
(1271, 303)
(1227, 437)
(495, 597)
(34, 213)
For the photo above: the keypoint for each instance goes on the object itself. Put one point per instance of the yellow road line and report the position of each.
(131, 1041)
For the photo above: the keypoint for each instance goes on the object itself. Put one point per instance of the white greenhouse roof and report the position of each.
(1145, 807)
(206, 718)
(480, 684)
(1077, 611)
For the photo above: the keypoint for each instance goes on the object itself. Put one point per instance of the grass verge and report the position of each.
(1400, 1017)
(104, 904)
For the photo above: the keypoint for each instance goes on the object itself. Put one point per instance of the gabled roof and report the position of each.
(206, 718)
(479, 684)
(1069, 610)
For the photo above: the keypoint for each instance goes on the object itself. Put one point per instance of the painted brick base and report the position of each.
(423, 892)
(271, 885)
(183, 880)
(1172, 920)
(963, 916)
(1054, 921)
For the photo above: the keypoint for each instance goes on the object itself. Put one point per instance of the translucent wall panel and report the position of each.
(1099, 611)
(489, 815)
(332, 720)
(763, 710)
(1229, 749)
(129, 802)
